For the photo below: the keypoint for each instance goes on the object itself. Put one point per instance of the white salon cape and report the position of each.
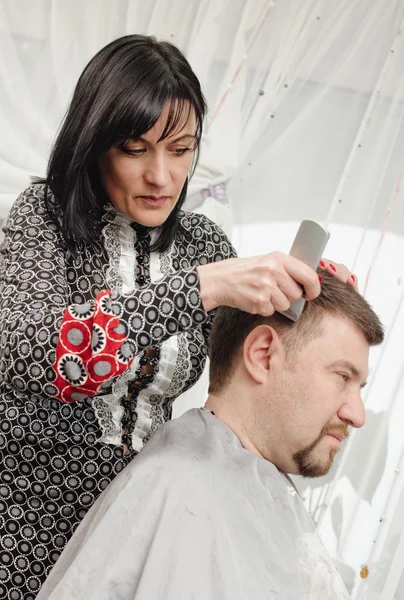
(195, 516)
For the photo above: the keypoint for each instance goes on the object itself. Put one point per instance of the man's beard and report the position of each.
(307, 465)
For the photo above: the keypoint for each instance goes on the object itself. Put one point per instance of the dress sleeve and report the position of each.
(98, 340)
(51, 348)
(216, 244)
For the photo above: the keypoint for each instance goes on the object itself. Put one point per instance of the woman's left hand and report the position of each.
(339, 271)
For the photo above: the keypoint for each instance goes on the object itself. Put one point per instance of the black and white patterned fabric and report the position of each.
(56, 458)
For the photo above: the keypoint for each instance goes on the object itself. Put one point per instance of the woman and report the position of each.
(106, 294)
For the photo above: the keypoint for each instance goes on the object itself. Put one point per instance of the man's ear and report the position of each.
(260, 348)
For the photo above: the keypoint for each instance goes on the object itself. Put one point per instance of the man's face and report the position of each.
(315, 394)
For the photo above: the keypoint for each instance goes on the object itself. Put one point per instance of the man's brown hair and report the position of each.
(231, 326)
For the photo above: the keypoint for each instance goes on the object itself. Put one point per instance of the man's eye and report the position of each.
(344, 376)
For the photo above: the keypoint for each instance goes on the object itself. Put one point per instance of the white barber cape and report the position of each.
(195, 516)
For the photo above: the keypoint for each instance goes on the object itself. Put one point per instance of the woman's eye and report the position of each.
(181, 151)
(135, 151)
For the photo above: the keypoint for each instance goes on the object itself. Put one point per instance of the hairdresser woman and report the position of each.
(106, 293)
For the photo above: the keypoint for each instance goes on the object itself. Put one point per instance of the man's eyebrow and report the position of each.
(346, 364)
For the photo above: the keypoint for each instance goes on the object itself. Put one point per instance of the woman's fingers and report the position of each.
(279, 301)
(303, 275)
(340, 271)
(290, 288)
(261, 284)
(353, 281)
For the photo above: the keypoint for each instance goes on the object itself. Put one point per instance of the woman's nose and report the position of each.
(157, 172)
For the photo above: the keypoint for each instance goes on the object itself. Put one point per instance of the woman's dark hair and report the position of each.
(120, 95)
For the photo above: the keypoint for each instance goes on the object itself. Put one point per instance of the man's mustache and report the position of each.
(329, 429)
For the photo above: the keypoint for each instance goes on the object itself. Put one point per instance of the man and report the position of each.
(206, 510)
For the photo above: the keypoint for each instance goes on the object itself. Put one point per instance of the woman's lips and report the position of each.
(154, 200)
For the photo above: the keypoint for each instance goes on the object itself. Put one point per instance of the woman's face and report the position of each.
(144, 179)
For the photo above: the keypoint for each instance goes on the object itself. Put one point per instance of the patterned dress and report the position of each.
(94, 349)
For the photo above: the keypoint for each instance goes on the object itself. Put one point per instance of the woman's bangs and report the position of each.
(178, 107)
(133, 117)
(136, 116)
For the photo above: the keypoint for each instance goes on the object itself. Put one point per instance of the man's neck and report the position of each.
(235, 417)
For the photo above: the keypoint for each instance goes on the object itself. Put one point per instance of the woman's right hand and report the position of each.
(258, 285)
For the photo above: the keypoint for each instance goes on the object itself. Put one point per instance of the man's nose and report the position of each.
(353, 411)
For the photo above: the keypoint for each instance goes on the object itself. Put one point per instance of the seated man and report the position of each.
(206, 510)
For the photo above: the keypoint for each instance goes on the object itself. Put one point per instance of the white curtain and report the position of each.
(306, 121)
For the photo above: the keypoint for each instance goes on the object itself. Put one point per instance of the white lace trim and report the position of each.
(128, 258)
(159, 385)
(183, 368)
(155, 265)
(166, 262)
(120, 245)
(162, 379)
(109, 410)
(120, 240)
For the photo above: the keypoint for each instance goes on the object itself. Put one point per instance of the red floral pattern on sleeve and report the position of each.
(88, 350)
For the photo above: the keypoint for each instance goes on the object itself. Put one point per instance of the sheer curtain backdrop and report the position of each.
(306, 113)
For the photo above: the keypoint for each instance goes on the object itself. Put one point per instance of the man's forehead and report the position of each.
(340, 328)
(341, 339)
